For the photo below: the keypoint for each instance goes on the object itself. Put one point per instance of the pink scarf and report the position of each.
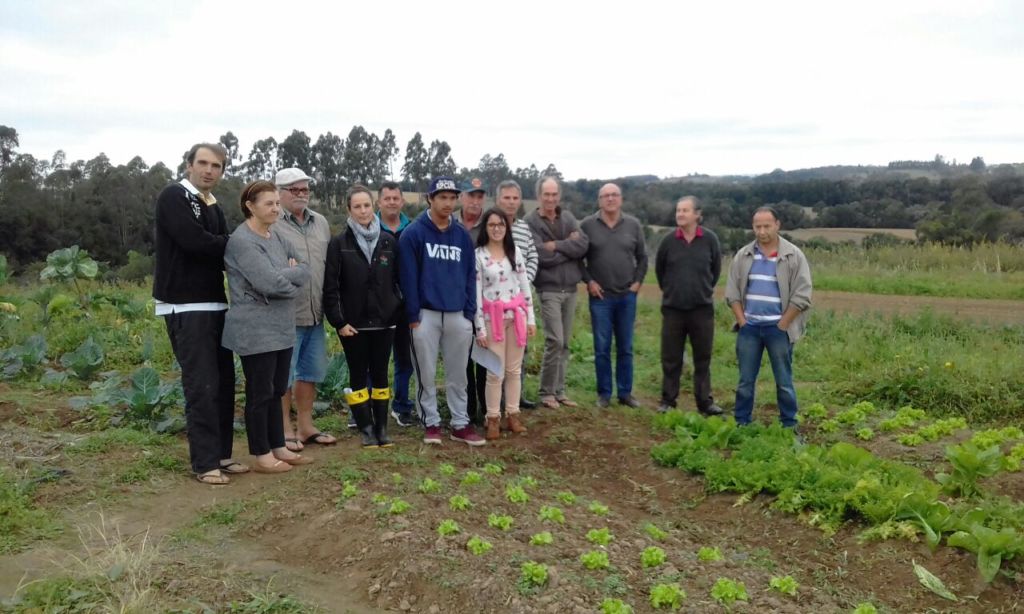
(496, 310)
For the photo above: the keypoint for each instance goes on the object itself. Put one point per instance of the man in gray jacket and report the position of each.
(769, 292)
(560, 248)
(309, 234)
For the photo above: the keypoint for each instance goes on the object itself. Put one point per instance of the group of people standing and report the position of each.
(454, 284)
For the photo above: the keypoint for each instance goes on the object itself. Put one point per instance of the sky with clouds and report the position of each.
(600, 89)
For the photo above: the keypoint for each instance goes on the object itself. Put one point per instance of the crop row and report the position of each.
(842, 482)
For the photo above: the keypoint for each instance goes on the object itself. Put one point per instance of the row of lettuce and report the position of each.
(831, 485)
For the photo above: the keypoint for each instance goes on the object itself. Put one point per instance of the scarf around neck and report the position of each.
(366, 236)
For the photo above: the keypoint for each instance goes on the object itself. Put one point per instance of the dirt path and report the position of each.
(990, 311)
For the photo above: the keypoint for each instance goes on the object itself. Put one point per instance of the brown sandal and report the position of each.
(213, 477)
(279, 466)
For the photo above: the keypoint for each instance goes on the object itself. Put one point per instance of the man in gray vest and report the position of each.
(309, 233)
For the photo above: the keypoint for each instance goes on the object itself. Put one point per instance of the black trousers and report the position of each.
(208, 379)
(266, 379)
(367, 355)
(676, 325)
(476, 380)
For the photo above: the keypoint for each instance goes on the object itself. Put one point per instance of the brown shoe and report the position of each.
(549, 402)
(493, 430)
(568, 402)
(515, 425)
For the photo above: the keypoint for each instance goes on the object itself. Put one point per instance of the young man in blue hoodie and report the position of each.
(437, 272)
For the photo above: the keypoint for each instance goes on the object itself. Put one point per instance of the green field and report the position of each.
(96, 473)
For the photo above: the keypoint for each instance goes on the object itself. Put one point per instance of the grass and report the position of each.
(103, 442)
(21, 521)
(989, 271)
(939, 364)
(945, 366)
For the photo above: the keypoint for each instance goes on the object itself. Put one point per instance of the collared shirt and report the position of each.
(474, 231)
(403, 221)
(764, 300)
(309, 238)
(682, 237)
(161, 308)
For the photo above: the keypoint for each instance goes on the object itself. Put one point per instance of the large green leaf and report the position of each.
(85, 360)
(69, 263)
(931, 582)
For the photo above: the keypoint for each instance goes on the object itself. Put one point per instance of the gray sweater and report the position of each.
(558, 271)
(616, 257)
(261, 316)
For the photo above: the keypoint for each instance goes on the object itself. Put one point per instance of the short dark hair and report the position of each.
(251, 191)
(356, 189)
(389, 185)
(766, 209)
(483, 238)
(216, 148)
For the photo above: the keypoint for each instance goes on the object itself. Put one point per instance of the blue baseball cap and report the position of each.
(442, 184)
(474, 185)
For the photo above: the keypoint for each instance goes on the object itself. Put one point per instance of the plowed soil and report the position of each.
(297, 533)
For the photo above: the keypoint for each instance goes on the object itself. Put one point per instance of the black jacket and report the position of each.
(688, 272)
(190, 239)
(363, 294)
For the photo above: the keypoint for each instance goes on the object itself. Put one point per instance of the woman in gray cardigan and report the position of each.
(263, 278)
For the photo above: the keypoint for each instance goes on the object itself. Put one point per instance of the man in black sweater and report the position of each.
(188, 286)
(688, 264)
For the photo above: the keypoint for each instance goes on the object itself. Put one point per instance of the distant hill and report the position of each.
(844, 172)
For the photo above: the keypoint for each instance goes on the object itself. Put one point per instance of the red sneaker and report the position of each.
(468, 435)
(432, 435)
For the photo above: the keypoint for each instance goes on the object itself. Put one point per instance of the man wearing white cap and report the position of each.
(309, 233)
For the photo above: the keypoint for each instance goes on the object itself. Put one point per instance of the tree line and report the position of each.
(107, 209)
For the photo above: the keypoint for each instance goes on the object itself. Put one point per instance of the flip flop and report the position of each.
(214, 477)
(278, 467)
(234, 468)
(315, 438)
(294, 441)
(298, 459)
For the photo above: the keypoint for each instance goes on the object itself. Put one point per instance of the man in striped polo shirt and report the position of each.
(509, 199)
(769, 292)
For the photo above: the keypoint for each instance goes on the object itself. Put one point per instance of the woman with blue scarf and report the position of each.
(361, 300)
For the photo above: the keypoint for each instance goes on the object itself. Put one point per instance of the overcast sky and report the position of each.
(601, 89)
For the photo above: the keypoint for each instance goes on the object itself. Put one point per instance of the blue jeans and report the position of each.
(309, 356)
(613, 316)
(401, 402)
(751, 342)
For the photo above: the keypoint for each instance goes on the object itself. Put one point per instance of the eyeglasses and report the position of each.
(495, 226)
(297, 191)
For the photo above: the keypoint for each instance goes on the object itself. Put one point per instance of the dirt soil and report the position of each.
(296, 532)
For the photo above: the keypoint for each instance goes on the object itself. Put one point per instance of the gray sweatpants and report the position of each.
(452, 333)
